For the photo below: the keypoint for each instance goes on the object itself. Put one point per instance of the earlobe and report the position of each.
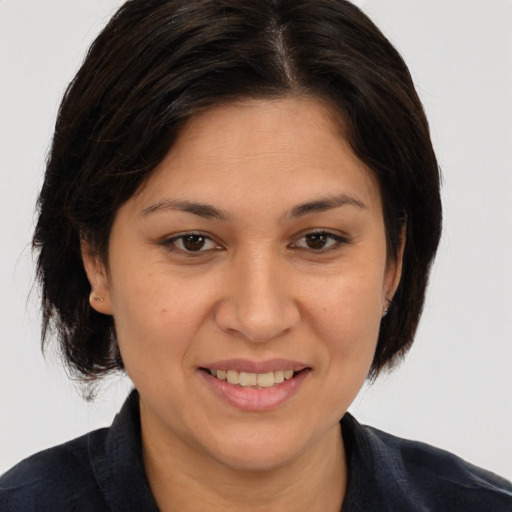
(99, 297)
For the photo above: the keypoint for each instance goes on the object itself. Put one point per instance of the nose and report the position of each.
(257, 303)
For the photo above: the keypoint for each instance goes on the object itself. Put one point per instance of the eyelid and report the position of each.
(169, 243)
(339, 240)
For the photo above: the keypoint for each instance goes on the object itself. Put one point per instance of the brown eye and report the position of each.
(316, 240)
(190, 243)
(320, 241)
(193, 242)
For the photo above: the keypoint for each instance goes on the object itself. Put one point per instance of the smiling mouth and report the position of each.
(255, 380)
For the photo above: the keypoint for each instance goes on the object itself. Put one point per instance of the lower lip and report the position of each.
(256, 399)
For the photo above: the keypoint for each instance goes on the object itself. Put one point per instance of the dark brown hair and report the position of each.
(157, 63)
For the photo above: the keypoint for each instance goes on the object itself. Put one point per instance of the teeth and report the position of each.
(266, 380)
(279, 376)
(246, 379)
(233, 377)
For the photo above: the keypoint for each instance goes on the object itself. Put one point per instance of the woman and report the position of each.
(240, 210)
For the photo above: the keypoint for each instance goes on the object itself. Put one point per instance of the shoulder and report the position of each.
(410, 473)
(446, 476)
(58, 479)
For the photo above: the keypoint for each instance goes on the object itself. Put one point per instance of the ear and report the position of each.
(394, 271)
(97, 275)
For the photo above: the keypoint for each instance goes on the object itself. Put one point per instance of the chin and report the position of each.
(261, 449)
(258, 459)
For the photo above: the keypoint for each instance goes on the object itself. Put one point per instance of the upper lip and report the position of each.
(246, 365)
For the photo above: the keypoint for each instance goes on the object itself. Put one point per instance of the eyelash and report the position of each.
(170, 244)
(337, 241)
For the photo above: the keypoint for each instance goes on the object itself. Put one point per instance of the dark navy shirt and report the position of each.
(103, 471)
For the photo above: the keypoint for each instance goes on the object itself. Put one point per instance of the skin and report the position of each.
(258, 289)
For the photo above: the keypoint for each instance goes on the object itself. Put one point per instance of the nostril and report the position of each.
(254, 323)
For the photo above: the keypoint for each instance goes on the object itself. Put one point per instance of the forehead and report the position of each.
(286, 150)
(255, 127)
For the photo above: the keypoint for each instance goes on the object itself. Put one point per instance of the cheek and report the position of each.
(347, 323)
(348, 307)
(347, 318)
(156, 318)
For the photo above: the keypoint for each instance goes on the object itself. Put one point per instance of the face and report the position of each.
(255, 253)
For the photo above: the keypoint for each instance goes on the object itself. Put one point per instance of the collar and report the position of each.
(118, 463)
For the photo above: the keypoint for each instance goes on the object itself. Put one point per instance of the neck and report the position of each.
(184, 480)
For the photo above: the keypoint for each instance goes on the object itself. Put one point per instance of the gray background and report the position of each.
(455, 387)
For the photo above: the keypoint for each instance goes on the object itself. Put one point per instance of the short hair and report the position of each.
(159, 62)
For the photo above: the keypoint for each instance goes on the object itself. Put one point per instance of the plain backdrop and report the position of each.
(454, 389)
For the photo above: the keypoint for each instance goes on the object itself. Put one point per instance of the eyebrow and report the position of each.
(208, 211)
(204, 210)
(324, 204)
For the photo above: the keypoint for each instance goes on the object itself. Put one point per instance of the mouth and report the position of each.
(253, 380)
(255, 386)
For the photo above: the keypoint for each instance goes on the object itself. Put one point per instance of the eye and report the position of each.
(320, 241)
(190, 243)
